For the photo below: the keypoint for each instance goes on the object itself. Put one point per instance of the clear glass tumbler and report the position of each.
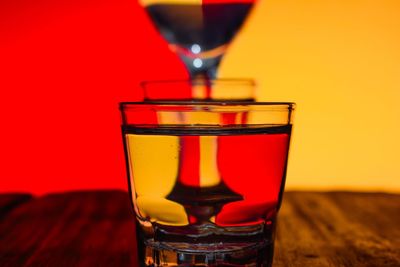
(206, 179)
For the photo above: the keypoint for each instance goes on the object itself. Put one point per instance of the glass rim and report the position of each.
(275, 112)
(230, 81)
(290, 105)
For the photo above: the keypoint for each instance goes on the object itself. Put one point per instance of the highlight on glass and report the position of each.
(206, 180)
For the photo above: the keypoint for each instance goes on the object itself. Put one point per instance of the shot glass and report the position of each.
(227, 89)
(206, 179)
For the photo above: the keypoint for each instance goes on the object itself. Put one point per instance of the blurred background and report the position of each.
(65, 65)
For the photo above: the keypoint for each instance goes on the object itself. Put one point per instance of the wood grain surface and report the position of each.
(96, 228)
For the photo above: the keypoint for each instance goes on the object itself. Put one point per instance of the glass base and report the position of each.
(155, 254)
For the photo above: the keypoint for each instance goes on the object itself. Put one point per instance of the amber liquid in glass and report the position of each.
(206, 195)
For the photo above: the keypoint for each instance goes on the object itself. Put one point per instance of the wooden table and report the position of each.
(97, 229)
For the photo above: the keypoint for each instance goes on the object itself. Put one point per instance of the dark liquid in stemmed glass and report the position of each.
(199, 33)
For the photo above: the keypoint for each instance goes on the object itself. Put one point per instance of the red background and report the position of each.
(64, 66)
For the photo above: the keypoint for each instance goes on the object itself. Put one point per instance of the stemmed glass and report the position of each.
(199, 32)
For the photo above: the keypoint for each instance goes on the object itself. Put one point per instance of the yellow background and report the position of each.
(340, 62)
